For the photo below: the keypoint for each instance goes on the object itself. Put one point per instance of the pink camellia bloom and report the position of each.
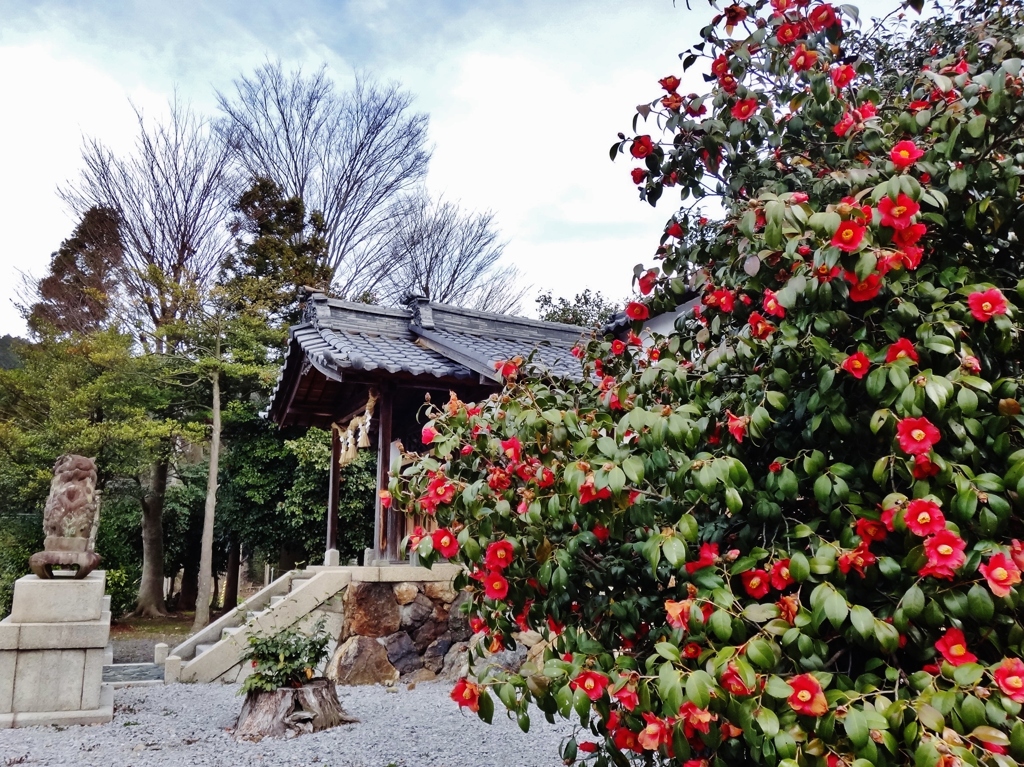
(427, 435)
(1001, 573)
(1010, 678)
(986, 304)
(905, 154)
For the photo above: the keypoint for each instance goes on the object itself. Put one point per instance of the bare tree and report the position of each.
(349, 155)
(439, 251)
(168, 196)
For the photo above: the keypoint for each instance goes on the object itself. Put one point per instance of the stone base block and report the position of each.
(58, 600)
(103, 713)
(50, 680)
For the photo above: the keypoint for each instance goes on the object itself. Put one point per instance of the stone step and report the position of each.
(230, 631)
(200, 649)
(299, 582)
(277, 600)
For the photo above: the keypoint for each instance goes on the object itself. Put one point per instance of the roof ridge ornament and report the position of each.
(422, 314)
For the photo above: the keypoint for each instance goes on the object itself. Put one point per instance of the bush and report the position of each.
(123, 589)
(285, 659)
(20, 538)
(787, 533)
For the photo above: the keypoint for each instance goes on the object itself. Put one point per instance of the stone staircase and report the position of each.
(297, 599)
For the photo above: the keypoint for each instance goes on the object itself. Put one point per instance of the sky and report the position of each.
(525, 98)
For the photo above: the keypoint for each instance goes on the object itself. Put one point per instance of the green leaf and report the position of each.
(633, 466)
(930, 717)
(721, 624)
(767, 721)
(863, 620)
(581, 703)
(836, 609)
(976, 125)
(486, 711)
(698, 688)
(799, 567)
(668, 651)
(759, 652)
(980, 603)
(958, 180)
(777, 687)
(856, 727)
(913, 602)
(674, 550)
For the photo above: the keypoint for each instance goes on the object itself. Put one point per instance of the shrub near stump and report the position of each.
(282, 698)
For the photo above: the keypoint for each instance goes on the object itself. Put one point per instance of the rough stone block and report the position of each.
(172, 669)
(371, 610)
(417, 611)
(8, 661)
(428, 632)
(101, 715)
(405, 592)
(92, 680)
(397, 573)
(361, 660)
(421, 675)
(9, 634)
(332, 558)
(48, 680)
(441, 591)
(458, 624)
(433, 656)
(366, 575)
(58, 600)
(402, 652)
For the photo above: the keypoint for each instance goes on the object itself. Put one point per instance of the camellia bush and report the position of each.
(788, 533)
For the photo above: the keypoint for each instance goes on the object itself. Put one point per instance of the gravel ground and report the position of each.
(182, 725)
(140, 650)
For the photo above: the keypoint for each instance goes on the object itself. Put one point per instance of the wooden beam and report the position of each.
(383, 536)
(333, 490)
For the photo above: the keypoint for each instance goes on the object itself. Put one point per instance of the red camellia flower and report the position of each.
(642, 146)
(627, 697)
(857, 365)
(677, 614)
(737, 425)
(417, 535)
(771, 304)
(848, 236)
(720, 66)
(506, 368)
(495, 586)
(466, 694)
(674, 230)
(601, 533)
(647, 281)
(656, 733)
(916, 435)
(870, 530)
(803, 59)
(945, 553)
(905, 154)
(385, 499)
(591, 682)
(953, 647)
(1010, 678)
(512, 448)
(789, 33)
(842, 75)
(1001, 573)
(707, 556)
(733, 15)
(626, 740)
(923, 467)
(909, 235)
(744, 109)
(899, 214)
(669, 83)
(986, 304)
(695, 719)
(760, 328)
(589, 493)
(733, 682)
(789, 607)
(903, 349)
(445, 543)
(780, 576)
(637, 311)
(822, 17)
(860, 559)
(639, 175)
(775, 467)
(924, 517)
(427, 435)
(866, 289)
(730, 85)
(618, 347)
(588, 747)
(846, 122)
(807, 697)
(756, 582)
(499, 555)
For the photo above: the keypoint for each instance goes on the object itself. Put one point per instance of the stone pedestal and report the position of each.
(51, 653)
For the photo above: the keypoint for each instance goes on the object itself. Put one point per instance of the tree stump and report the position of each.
(290, 711)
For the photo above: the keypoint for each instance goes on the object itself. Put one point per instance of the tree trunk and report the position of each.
(286, 711)
(231, 579)
(189, 586)
(151, 587)
(206, 556)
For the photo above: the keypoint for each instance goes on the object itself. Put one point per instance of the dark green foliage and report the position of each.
(21, 536)
(8, 352)
(589, 309)
(284, 659)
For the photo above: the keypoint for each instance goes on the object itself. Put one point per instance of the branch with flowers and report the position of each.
(788, 533)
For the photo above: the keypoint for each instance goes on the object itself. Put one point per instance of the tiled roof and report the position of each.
(426, 339)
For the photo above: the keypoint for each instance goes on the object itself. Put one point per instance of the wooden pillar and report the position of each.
(384, 533)
(333, 489)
